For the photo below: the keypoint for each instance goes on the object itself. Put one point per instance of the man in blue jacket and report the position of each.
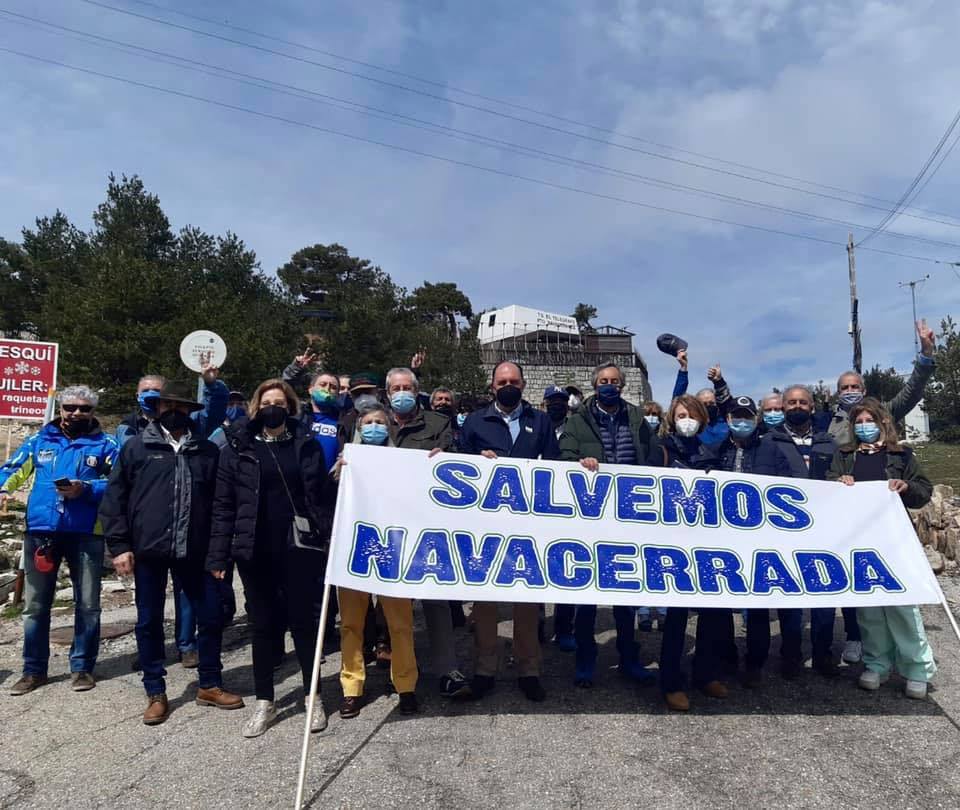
(70, 459)
(509, 427)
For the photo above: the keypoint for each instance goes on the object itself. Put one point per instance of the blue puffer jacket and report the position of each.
(50, 455)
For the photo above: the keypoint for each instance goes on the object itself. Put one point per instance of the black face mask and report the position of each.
(797, 417)
(713, 412)
(446, 410)
(174, 421)
(273, 416)
(509, 396)
(557, 411)
(77, 427)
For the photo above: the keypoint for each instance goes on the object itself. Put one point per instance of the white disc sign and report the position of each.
(200, 344)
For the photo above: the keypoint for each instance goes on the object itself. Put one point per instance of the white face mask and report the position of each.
(687, 427)
(573, 402)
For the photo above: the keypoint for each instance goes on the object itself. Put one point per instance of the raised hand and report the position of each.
(928, 340)
(714, 373)
(682, 359)
(209, 372)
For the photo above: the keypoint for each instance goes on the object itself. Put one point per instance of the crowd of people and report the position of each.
(196, 486)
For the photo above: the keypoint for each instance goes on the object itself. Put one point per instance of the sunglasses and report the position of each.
(81, 408)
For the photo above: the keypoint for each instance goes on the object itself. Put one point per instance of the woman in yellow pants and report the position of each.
(372, 429)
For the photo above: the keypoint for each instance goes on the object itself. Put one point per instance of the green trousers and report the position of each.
(893, 637)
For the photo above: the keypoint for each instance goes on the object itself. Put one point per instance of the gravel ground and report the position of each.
(806, 744)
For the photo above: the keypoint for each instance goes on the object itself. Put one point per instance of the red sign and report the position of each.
(28, 370)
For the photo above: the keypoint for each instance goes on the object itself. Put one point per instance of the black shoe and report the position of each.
(752, 677)
(646, 625)
(454, 685)
(791, 670)
(531, 688)
(480, 686)
(408, 703)
(825, 666)
(350, 707)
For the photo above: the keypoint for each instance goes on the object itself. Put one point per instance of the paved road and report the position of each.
(808, 744)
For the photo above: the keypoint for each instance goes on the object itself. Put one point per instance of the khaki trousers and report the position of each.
(526, 645)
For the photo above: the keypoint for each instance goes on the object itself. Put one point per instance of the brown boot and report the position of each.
(677, 701)
(715, 689)
(215, 696)
(158, 710)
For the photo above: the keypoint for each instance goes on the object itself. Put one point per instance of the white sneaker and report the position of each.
(916, 690)
(852, 652)
(871, 680)
(264, 715)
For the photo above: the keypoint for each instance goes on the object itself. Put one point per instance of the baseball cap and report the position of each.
(671, 344)
(743, 405)
(555, 391)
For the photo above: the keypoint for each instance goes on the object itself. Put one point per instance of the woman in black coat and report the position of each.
(679, 446)
(270, 503)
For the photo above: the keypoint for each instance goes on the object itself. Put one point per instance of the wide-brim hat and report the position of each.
(671, 344)
(180, 393)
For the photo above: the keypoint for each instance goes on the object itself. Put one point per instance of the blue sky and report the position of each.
(853, 95)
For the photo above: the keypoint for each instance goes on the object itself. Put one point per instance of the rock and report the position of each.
(935, 558)
(64, 595)
(943, 491)
(112, 586)
(950, 543)
(7, 583)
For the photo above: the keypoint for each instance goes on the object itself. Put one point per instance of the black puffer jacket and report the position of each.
(158, 502)
(237, 499)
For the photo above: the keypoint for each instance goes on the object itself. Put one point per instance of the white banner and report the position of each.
(513, 530)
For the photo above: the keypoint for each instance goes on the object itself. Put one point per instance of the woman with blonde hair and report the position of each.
(373, 429)
(268, 506)
(892, 636)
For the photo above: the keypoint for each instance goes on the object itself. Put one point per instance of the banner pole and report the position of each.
(946, 609)
(318, 652)
(9, 439)
(311, 698)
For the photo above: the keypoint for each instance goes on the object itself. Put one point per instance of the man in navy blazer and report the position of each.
(509, 427)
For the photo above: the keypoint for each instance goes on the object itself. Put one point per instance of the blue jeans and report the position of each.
(84, 556)
(584, 624)
(758, 636)
(185, 621)
(203, 593)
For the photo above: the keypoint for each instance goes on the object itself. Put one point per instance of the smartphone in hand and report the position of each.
(62, 483)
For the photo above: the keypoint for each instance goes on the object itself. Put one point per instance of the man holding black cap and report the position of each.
(156, 518)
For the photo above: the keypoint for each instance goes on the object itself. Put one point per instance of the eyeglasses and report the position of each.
(70, 408)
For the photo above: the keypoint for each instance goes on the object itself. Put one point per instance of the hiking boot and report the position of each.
(264, 715)
(82, 681)
(350, 707)
(454, 685)
(532, 689)
(677, 701)
(27, 684)
(158, 710)
(408, 703)
(189, 659)
(215, 696)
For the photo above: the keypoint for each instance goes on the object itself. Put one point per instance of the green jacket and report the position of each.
(581, 434)
(425, 431)
(901, 464)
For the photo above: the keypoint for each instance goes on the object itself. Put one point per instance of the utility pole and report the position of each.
(913, 294)
(854, 307)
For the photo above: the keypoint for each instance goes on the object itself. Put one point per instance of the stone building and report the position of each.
(553, 350)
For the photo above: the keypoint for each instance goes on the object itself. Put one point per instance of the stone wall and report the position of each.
(938, 527)
(539, 378)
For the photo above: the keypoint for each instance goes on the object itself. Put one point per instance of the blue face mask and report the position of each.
(608, 394)
(147, 400)
(235, 412)
(403, 402)
(374, 433)
(742, 428)
(866, 431)
(773, 418)
(850, 398)
(653, 421)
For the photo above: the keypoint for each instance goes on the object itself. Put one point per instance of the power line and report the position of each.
(453, 161)
(497, 113)
(506, 103)
(913, 190)
(294, 91)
